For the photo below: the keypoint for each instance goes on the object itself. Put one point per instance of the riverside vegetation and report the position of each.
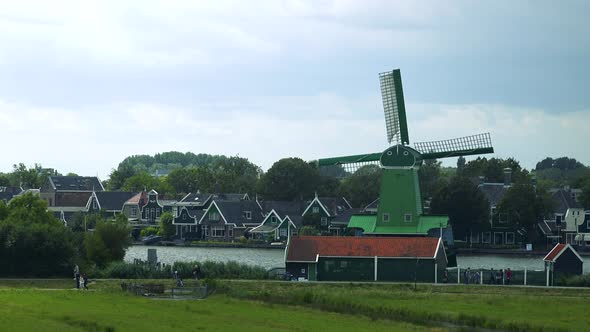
(288, 306)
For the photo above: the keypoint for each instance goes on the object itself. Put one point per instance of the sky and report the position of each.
(85, 84)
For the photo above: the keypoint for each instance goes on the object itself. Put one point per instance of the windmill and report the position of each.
(400, 201)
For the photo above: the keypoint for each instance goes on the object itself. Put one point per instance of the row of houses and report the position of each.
(227, 216)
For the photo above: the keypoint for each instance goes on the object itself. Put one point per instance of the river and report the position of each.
(269, 258)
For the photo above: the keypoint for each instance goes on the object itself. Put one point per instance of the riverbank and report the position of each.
(212, 245)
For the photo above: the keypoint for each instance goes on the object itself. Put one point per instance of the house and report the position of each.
(563, 260)
(331, 258)
(132, 207)
(583, 235)
(227, 220)
(188, 212)
(281, 219)
(152, 209)
(65, 190)
(8, 192)
(329, 214)
(500, 231)
(568, 214)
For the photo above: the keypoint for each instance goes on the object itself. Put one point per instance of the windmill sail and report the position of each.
(392, 95)
(462, 146)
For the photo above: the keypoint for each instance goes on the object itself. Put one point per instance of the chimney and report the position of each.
(507, 176)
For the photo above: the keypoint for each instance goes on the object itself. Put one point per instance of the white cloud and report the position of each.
(95, 139)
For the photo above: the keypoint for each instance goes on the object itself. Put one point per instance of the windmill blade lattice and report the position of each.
(394, 107)
(462, 146)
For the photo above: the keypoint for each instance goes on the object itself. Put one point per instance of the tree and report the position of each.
(289, 179)
(467, 207)
(4, 181)
(585, 197)
(107, 243)
(525, 206)
(120, 175)
(32, 241)
(460, 165)
(429, 175)
(362, 187)
(167, 229)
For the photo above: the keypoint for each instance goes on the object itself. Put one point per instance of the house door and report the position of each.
(498, 238)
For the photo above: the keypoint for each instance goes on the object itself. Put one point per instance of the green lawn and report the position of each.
(106, 309)
(53, 305)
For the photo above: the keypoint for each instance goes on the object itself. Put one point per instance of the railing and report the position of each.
(495, 277)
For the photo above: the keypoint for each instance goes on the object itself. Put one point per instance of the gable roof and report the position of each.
(494, 192)
(559, 249)
(374, 205)
(232, 212)
(139, 199)
(197, 198)
(72, 198)
(563, 201)
(309, 248)
(75, 183)
(113, 200)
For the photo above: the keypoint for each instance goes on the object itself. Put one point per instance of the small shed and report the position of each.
(564, 260)
(331, 258)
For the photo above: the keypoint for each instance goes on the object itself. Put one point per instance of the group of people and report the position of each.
(195, 272)
(498, 277)
(81, 278)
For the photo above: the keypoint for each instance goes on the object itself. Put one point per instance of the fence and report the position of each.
(496, 277)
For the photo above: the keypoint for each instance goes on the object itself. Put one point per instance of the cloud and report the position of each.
(94, 140)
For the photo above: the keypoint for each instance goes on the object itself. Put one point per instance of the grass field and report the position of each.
(52, 305)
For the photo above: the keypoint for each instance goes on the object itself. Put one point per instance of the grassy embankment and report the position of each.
(276, 306)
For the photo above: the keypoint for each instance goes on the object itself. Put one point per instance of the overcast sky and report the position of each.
(83, 85)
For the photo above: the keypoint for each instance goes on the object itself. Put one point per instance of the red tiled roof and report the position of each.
(558, 250)
(554, 252)
(306, 248)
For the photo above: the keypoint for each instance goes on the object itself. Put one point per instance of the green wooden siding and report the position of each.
(395, 269)
(312, 274)
(346, 269)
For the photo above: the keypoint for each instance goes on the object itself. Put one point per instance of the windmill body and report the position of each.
(400, 202)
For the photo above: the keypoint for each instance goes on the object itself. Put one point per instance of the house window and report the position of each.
(502, 218)
(157, 213)
(184, 217)
(408, 217)
(205, 230)
(570, 238)
(486, 237)
(214, 216)
(230, 232)
(588, 224)
(475, 237)
(509, 238)
(283, 232)
(324, 221)
(273, 219)
(134, 211)
(386, 217)
(558, 218)
(218, 231)
(152, 214)
(94, 206)
(315, 209)
(248, 215)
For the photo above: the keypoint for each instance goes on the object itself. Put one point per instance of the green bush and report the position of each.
(148, 231)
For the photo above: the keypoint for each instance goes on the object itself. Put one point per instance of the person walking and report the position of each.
(508, 276)
(467, 275)
(196, 272)
(85, 280)
(492, 276)
(77, 275)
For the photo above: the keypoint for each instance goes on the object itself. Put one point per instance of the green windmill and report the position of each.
(400, 203)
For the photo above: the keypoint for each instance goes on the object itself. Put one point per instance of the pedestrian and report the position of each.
(196, 272)
(499, 277)
(85, 279)
(446, 276)
(467, 275)
(179, 282)
(508, 276)
(492, 276)
(77, 275)
(176, 274)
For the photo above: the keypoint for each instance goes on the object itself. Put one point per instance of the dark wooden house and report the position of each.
(563, 260)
